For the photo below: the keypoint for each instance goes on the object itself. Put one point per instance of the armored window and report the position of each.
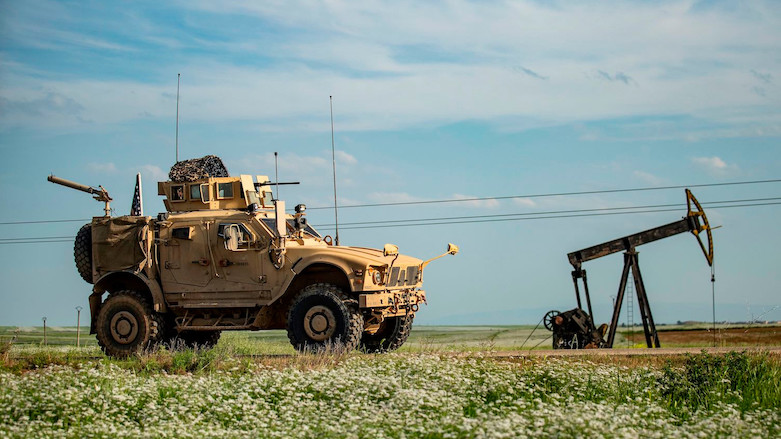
(195, 192)
(268, 199)
(271, 224)
(177, 193)
(224, 190)
(245, 236)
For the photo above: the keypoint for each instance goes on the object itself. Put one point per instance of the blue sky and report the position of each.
(432, 100)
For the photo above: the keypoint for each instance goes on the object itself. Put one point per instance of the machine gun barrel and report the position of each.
(99, 193)
(74, 185)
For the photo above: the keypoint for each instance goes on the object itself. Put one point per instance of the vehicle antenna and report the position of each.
(333, 161)
(276, 174)
(178, 75)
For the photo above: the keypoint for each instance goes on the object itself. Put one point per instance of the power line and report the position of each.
(37, 242)
(437, 222)
(553, 212)
(460, 200)
(45, 221)
(33, 238)
(483, 219)
(555, 194)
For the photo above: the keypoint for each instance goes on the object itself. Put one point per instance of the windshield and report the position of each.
(309, 230)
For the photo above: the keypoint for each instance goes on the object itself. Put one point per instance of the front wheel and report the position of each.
(320, 320)
(126, 324)
(392, 334)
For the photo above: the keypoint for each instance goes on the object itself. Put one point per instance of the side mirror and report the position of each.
(452, 249)
(232, 234)
(390, 250)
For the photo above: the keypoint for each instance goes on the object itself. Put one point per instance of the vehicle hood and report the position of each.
(356, 255)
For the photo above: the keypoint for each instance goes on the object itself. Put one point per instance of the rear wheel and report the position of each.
(392, 334)
(126, 324)
(320, 320)
(82, 252)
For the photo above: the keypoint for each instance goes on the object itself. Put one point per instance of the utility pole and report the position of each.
(78, 324)
(44, 330)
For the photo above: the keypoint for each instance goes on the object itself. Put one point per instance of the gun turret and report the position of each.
(100, 194)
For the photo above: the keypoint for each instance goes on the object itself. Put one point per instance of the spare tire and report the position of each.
(82, 252)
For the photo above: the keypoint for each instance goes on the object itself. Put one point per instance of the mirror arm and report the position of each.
(451, 250)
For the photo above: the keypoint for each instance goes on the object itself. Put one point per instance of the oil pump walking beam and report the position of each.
(695, 222)
(629, 242)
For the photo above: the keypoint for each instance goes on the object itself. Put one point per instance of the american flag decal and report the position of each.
(137, 209)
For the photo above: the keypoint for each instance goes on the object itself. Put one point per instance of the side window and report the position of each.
(195, 192)
(177, 193)
(268, 198)
(244, 237)
(224, 190)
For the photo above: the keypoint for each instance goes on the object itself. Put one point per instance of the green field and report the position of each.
(428, 338)
(442, 384)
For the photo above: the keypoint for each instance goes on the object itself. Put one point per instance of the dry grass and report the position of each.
(724, 337)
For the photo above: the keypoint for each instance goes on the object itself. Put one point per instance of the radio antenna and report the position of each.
(178, 75)
(333, 161)
(276, 174)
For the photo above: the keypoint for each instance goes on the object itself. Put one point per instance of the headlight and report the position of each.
(377, 276)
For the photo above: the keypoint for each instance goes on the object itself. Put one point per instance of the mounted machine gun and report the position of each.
(575, 329)
(100, 194)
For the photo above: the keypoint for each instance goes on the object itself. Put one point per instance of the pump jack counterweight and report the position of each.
(574, 330)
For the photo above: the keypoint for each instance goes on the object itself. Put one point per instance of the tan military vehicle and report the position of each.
(225, 256)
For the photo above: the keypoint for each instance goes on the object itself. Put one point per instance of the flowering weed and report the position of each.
(378, 396)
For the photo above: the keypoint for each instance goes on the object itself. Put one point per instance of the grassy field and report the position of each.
(463, 338)
(442, 384)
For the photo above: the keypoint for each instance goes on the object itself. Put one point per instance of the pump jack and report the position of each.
(575, 329)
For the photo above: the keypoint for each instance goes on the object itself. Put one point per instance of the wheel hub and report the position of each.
(319, 323)
(124, 327)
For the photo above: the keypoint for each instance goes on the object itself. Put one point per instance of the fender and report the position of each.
(118, 280)
(299, 265)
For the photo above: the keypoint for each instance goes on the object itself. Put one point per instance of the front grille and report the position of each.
(406, 276)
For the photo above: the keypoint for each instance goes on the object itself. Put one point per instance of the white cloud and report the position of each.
(291, 166)
(715, 166)
(524, 202)
(392, 197)
(648, 178)
(343, 158)
(459, 66)
(153, 173)
(103, 168)
(484, 204)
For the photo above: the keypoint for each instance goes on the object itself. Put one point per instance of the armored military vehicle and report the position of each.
(226, 256)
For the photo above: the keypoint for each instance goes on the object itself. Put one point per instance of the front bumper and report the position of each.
(393, 303)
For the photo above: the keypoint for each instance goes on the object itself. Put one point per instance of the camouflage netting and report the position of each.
(196, 169)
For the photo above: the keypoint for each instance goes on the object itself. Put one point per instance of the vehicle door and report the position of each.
(184, 257)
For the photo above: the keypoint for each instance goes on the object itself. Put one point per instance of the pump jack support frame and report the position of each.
(632, 263)
(695, 222)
